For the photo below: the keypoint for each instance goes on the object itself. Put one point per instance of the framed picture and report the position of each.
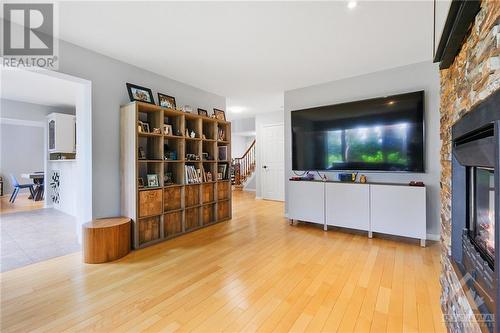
(203, 113)
(141, 153)
(222, 153)
(168, 179)
(153, 180)
(141, 94)
(145, 127)
(140, 182)
(167, 129)
(219, 114)
(166, 101)
(221, 169)
(221, 134)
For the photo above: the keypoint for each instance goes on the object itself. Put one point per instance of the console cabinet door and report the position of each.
(398, 210)
(306, 201)
(348, 205)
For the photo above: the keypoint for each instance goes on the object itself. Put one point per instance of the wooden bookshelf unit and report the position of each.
(185, 198)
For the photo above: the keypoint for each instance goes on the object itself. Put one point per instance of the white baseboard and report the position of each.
(433, 237)
(258, 198)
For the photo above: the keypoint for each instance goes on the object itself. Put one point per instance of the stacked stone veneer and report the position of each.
(473, 76)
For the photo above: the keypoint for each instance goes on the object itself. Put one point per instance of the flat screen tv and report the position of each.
(379, 134)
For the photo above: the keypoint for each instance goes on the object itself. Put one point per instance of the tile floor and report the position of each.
(37, 235)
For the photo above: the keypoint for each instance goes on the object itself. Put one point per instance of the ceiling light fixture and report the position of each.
(352, 4)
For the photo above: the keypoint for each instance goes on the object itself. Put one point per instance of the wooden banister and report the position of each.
(244, 166)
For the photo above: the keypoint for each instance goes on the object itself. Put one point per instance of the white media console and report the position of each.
(393, 209)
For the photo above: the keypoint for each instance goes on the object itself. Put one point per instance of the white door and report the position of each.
(273, 162)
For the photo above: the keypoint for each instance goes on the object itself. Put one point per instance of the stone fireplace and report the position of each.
(475, 207)
(468, 246)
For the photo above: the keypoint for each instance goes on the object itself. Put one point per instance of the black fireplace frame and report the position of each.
(484, 116)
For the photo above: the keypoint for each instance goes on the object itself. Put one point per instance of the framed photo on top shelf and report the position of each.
(141, 94)
(202, 112)
(153, 180)
(219, 114)
(166, 101)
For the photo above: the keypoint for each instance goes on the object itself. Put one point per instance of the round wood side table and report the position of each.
(106, 239)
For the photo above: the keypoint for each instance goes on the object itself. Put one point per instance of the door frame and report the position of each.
(260, 157)
(83, 106)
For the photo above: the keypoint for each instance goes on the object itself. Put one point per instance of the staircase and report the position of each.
(243, 167)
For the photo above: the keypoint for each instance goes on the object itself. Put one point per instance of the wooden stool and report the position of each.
(106, 240)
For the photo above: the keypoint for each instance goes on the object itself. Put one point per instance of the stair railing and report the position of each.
(244, 166)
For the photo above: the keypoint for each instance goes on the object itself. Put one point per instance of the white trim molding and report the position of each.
(21, 122)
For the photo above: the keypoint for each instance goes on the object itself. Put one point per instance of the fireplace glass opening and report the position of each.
(481, 224)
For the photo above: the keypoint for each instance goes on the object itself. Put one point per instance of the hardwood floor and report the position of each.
(253, 273)
(21, 204)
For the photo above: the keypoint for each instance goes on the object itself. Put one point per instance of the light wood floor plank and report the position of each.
(255, 273)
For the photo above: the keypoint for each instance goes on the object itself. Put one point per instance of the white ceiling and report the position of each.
(33, 87)
(251, 52)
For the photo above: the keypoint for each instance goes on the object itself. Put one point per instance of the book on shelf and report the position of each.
(193, 175)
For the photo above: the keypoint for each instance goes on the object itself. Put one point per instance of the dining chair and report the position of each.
(18, 187)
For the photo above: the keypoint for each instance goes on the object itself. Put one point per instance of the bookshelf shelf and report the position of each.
(175, 206)
(150, 135)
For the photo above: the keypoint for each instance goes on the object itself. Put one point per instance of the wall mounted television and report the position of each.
(379, 134)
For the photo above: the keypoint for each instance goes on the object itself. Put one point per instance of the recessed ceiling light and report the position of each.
(352, 4)
(236, 109)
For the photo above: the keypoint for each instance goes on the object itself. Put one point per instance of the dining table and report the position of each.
(38, 179)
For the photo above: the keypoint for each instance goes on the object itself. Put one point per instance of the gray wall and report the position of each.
(243, 125)
(22, 144)
(240, 144)
(21, 152)
(108, 78)
(421, 76)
